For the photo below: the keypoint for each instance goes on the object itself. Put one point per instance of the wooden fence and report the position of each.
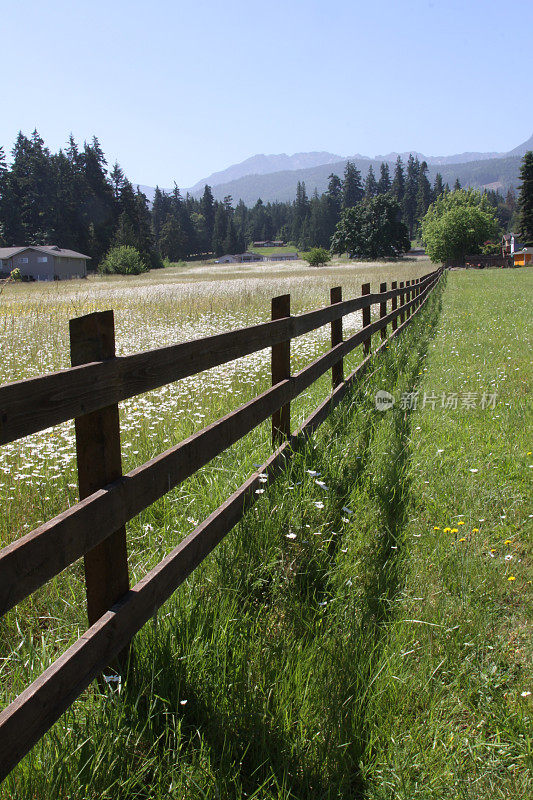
(94, 527)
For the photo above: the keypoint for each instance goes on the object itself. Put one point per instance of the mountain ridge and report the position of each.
(480, 170)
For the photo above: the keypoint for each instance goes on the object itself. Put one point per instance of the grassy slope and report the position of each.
(269, 251)
(290, 664)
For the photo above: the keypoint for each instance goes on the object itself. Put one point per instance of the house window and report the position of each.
(42, 259)
(23, 260)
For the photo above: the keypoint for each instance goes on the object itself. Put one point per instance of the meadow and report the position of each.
(347, 639)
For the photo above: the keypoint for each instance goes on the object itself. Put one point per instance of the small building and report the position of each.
(43, 263)
(239, 258)
(523, 257)
(510, 244)
(268, 244)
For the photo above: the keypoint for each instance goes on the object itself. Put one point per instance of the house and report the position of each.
(268, 244)
(523, 257)
(43, 263)
(239, 258)
(509, 244)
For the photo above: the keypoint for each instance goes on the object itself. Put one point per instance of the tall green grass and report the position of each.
(334, 645)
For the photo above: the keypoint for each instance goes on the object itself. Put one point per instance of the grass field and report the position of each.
(363, 632)
(271, 251)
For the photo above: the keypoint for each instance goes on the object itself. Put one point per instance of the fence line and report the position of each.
(94, 527)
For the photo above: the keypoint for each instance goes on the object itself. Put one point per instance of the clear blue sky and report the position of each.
(176, 90)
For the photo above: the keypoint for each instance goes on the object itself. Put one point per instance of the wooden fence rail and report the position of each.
(95, 526)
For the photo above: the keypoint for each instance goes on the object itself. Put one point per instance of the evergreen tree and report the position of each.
(384, 183)
(438, 186)
(423, 194)
(352, 187)
(525, 199)
(207, 209)
(457, 185)
(371, 185)
(398, 182)
(301, 212)
(409, 203)
(219, 230)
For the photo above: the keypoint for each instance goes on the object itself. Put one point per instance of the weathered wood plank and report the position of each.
(281, 371)
(99, 461)
(365, 290)
(337, 370)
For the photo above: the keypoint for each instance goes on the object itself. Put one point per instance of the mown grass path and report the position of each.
(358, 634)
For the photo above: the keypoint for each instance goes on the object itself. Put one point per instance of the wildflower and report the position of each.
(291, 536)
(508, 541)
(462, 539)
(461, 522)
(259, 491)
(319, 504)
(511, 578)
(313, 473)
(475, 530)
(447, 530)
(508, 558)
(525, 694)
(183, 702)
(436, 528)
(454, 530)
(474, 470)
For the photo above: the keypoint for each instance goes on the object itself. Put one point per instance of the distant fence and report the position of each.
(488, 261)
(89, 392)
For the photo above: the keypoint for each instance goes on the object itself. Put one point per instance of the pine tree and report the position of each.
(352, 187)
(457, 185)
(207, 209)
(438, 186)
(384, 183)
(219, 230)
(398, 182)
(525, 199)
(410, 195)
(371, 185)
(423, 194)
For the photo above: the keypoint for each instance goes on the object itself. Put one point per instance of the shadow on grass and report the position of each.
(250, 751)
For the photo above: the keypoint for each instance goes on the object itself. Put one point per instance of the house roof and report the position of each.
(523, 250)
(8, 252)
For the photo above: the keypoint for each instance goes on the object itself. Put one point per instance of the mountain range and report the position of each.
(274, 177)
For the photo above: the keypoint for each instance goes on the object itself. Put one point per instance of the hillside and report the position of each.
(274, 177)
(497, 172)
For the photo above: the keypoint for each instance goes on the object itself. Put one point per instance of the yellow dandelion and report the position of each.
(493, 550)
(462, 539)
(475, 530)
(436, 528)
(447, 530)
(511, 578)
(461, 522)
(508, 541)
(454, 530)
(530, 453)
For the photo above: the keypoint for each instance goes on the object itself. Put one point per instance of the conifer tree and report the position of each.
(525, 199)
(457, 185)
(410, 195)
(384, 183)
(438, 186)
(371, 185)
(352, 187)
(423, 194)
(207, 209)
(398, 182)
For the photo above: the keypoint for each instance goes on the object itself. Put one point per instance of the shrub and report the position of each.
(123, 260)
(317, 257)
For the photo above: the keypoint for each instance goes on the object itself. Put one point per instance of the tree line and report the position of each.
(73, 199)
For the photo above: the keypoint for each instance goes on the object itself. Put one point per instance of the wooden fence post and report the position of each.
(337, 370)
(394, 305)
(92, 338)
(407, 298)
(402, 302)
(365, 289)
(281, 370)
(383, 309)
